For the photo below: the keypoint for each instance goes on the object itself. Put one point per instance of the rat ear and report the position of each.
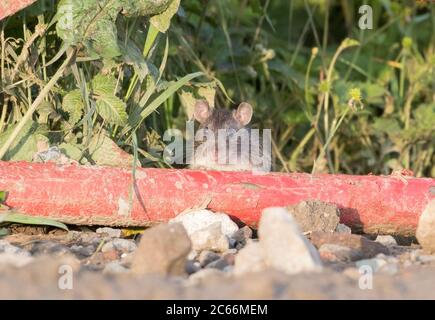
(202, 111)
(243, 113)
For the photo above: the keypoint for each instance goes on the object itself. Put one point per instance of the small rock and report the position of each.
(82, 251)
(365, 247)
(121, 245)
(210, 238)
(162, 250)
(241, 236)
(426, 228)
(284, 246)
(48, 247)
(192, 266)
(386, 240)
(315, 215)
(342, 228)
(205, 275)
(222, 263)
(333, 252)
(110, 232)
(114, 267)
(206, 257)
(249, 259)
(200, 219)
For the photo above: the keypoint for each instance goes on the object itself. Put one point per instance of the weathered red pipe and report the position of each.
(100, 195)
(9, 7)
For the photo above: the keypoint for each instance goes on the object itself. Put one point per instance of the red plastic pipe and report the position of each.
(95, 195)
(9, 7)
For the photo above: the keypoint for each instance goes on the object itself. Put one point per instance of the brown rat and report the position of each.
(224, 141)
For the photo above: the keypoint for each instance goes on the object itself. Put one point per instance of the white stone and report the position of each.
(386, 240)
(210, 238)
(426, 228)
(284, 246)
(199, 219)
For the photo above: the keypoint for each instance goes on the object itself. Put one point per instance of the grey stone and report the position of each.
(315, 215)
(163, 249)
(342, 228)
(110, 232)
(121, 245)
(206, 257)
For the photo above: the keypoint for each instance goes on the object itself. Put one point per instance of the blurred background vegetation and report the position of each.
(337, 98)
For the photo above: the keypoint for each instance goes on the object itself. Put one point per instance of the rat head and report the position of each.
(215, 119)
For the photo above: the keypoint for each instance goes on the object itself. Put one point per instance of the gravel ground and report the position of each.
(301, 252)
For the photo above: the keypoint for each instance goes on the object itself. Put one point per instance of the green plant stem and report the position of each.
(39, 99)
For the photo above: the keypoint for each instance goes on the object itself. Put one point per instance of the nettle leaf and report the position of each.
(105, 152)
(25, 144)
(109, 107)
(90, 22)
(103, 84)
(93, 22)
(73, 104)
(162, 21)
(112, 109)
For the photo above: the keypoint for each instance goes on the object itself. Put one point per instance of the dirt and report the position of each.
(93, 279)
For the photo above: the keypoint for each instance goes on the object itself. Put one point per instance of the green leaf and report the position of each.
(168, 92)
(93, 22)
(133, 56)
(102, 84)
(73, 104)
(162, 21)
(3, 195)
(105, 152)
(25, 145)
(109, 107)
(14, 217)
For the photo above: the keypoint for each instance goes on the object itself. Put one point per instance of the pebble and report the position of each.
(316, 215)
(284, 246)
(163, 249)
(342, 228)
(210, 238)
(196, 220)
(122, 245)
(426, 228)
(110, 232)
(206, 257)
(386, 240)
